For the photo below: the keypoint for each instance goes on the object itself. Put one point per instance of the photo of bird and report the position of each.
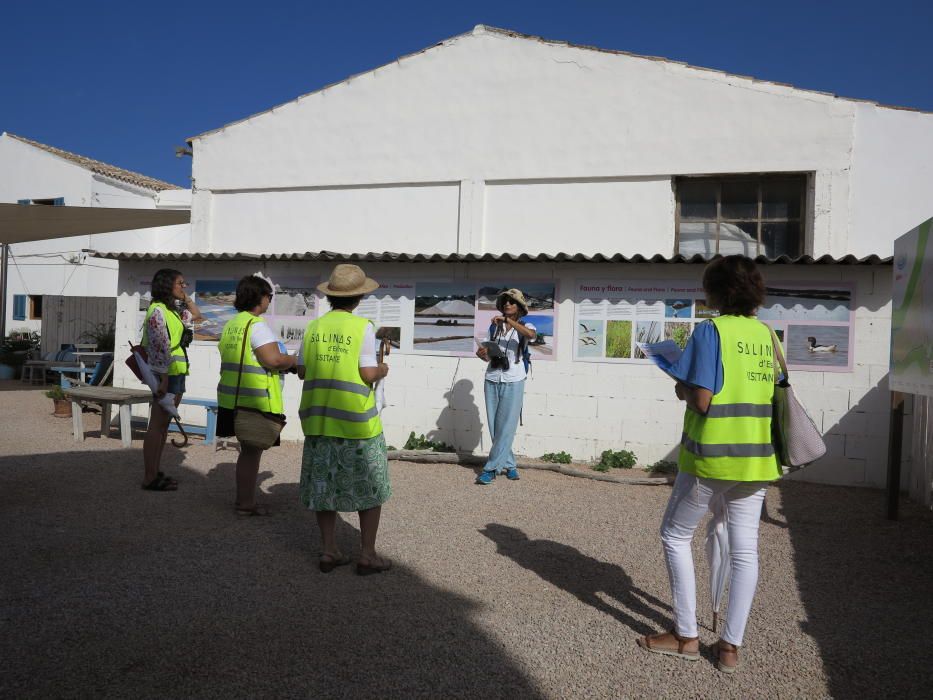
(813, 346)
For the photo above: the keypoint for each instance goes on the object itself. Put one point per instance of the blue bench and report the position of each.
(209, 430)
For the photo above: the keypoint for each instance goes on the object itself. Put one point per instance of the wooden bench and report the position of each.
(209, 429)
(106, 397)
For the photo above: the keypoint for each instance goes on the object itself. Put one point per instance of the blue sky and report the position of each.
(126, 82)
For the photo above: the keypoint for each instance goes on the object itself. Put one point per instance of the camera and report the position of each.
(187, 335)
(499, 362)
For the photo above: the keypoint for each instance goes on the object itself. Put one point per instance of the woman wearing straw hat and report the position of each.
(345, 464)
(505, 381)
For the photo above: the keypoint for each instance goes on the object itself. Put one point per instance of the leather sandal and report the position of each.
(669, 643)
(373, 568)
(727, 657)
(329, 562)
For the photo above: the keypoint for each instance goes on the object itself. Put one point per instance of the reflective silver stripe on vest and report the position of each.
(729, 450)
(739, 410)
(179, 358)
(235, 367)
(338, 414)
(336, 384)
(224, 389)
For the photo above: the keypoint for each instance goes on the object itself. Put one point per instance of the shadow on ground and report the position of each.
(870, 623)
(111, 591)
(582, 576)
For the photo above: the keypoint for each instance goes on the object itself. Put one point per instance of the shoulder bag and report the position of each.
(252, 427)
(797, 440)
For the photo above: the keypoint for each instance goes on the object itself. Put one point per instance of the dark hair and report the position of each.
(163, 284)
(346, 303)
(734, 285)
(249, 292)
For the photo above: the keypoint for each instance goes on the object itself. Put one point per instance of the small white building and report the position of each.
(598, 177)
(34, 173)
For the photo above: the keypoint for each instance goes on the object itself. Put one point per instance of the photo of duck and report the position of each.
(586, 329)
(588, 340)
(813, 346)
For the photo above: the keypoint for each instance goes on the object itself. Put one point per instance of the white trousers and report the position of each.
(739, 504)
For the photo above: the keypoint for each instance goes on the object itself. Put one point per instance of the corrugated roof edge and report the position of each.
(329, 256)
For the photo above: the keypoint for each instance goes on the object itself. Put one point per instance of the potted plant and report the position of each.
(14, 350)
(62, 404)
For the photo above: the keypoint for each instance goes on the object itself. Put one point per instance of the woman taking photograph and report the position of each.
(165, 336)
(345, 464)
(725, 376)
(505, 382)
(251, 364)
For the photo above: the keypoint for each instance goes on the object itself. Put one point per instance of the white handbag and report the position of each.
(797, 441)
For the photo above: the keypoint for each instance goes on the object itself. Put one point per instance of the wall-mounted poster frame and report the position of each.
(453, 317)
(390, 308)
(815, 322)
(613, 315)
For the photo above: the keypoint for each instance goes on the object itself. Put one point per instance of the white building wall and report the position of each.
(374, 218)
(891, 179)
(505, 113)
(57, 266)
(580, 407)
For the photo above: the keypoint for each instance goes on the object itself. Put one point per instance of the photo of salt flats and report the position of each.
(538, 295)
(215, 300)
(788, 304)
(543, 344)
(293, 300)
(445, 314)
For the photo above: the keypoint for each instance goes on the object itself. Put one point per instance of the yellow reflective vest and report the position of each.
(179, 357)
(259, 387)
(733, 440)
(335, 401)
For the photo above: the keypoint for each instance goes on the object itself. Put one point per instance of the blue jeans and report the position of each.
(503, 407)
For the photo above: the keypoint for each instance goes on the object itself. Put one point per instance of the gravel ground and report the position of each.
(520, 590)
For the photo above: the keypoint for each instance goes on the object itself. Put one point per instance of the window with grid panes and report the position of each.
(749, 214)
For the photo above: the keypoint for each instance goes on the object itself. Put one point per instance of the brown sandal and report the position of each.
(372, 567)
(725, 649)
(671, 644)
(329, 562)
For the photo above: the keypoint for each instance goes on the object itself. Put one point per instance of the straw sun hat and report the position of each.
(347, 281)
(516, 296)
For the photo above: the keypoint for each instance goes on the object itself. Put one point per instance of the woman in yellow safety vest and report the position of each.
(344, 466)
(165, 337)
(253, 385)
(726, 377)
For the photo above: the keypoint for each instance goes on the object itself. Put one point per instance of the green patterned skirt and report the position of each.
(344, 475)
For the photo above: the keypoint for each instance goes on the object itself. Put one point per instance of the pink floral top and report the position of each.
(159, 345)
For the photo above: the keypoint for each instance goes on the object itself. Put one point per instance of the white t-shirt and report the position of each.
(261, 335)
(509, 343)
(367, 351)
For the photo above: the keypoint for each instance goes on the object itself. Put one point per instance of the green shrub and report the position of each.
(103, 334)
(56, 392)
(600, 467)
(616, 459)
(663, 466)
(557, 457)
(423, 443)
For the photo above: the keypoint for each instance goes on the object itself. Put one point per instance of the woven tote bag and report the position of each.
(797, 440)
